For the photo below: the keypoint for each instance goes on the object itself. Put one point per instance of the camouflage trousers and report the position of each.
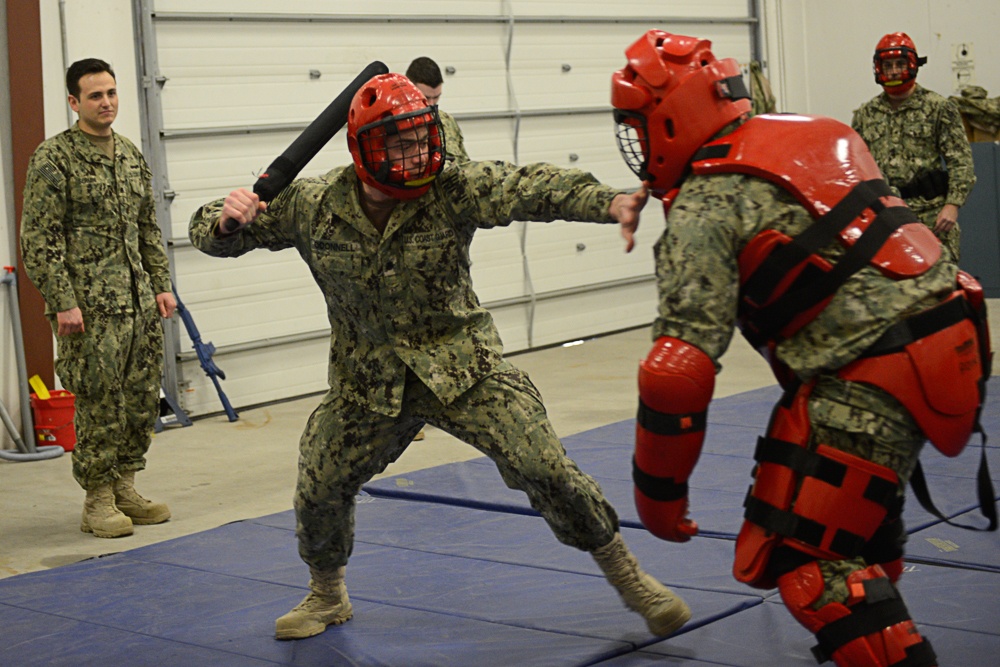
(113, 368)
(864, 421)
(344, 445)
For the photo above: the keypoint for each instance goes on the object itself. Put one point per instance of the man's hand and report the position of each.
(946, 219)
(69, 322)
(241, 207)
(166, 303)
(625, 210)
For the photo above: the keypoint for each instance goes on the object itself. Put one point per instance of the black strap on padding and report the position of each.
(881, 609)
(712, 152)
(662, 423)
(771, 319)
(782, 522)
(919, 326)
(661, 489)
(759, 287)
(733, 88)
(800, 459)
(811, 464)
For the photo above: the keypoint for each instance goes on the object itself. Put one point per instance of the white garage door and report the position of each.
(229, 86)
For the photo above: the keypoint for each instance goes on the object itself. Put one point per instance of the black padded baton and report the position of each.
(287, 166)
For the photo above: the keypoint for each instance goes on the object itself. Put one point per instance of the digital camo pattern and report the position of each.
(404, 299)
(454, 142)
(113, 368)
(709, 224)
(88, 233)
(89, 239)
(924, 134)
(344, 445)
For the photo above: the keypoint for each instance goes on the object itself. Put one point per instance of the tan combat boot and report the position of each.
(101, 517)
(326, 604)
(663, 609)
(142, 512)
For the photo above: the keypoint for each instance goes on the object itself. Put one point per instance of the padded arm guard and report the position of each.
(676, 381)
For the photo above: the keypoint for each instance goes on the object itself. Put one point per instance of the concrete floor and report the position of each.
(216, 472)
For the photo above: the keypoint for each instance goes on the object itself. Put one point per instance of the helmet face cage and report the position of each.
(669, 100)
(633, 141)
(422, 157)
(891, 47)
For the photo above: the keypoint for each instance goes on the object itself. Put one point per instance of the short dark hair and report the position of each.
(81, 68)
(426, 71)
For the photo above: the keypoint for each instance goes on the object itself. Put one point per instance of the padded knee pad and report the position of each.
(825, 503)
(676, 381)
(872, 628)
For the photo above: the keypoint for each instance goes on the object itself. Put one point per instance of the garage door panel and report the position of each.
(202, 278)
(222, 74)
(593, 313)
(328, 8)
(587, 143)
(563, 255)
(497, 265)
(631, 8)
(259, 376)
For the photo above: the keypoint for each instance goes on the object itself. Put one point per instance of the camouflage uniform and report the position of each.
(410, 342)
(89, 239)
(709, 225)
(923, 135)
(454, 143)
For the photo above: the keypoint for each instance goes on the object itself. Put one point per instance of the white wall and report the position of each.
(820, 53)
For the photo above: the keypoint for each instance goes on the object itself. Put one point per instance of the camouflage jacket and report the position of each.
(923, 135)
(404, 299)
(454, 143)
(709, 225)
(89, 236)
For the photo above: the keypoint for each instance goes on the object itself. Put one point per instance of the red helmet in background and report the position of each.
(892, 46)
(671, 98)
(386, 107)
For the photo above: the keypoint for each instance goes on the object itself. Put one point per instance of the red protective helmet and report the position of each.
(671, 98)
(385, 137)
(891, 46)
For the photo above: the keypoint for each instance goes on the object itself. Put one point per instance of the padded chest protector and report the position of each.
(784, 282)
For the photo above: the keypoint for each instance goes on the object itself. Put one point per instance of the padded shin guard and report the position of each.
(676, 381)
(871, 629)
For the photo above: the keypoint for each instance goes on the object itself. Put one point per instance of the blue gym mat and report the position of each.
(452, 568)
(717, 487)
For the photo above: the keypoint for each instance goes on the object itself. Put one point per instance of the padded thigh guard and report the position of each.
(872, 628)
(826, 503)
(676, 381)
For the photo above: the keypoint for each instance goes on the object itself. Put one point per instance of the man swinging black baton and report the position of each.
(279, 174)
(287, 166)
